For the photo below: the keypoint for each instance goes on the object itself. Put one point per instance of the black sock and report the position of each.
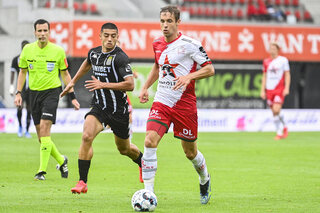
(19, 115)
(138, 160)
(84, 166)
(28, 121)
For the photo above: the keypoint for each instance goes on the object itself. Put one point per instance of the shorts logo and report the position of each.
(277, 99)
(50, 66)
(30, 66)
(47, 114)
(186, 133)
(154, 114)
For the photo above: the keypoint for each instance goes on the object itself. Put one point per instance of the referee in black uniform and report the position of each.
(24, 93)
(112, 77)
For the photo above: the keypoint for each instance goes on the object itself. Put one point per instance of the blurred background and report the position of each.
(235, 33)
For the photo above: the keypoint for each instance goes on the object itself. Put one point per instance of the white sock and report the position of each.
(282, 120)
(149, 167)
(278, 124)
(199, 163)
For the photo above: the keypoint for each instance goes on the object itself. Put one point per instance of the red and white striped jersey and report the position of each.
(274, 69)
(177, 58)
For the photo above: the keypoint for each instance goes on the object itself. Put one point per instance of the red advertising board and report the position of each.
(221, 41)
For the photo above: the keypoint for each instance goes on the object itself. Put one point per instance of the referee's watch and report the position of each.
(18, 92)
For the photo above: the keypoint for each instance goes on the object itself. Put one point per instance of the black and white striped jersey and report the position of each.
(112, 67)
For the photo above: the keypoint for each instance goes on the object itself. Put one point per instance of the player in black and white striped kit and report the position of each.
(112, 77)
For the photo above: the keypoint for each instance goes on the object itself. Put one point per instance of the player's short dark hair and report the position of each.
(41, 21)
(23, 43)
(109, 25)
(173, 10)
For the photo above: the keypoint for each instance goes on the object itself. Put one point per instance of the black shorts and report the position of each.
(44, 104)
(119, 123)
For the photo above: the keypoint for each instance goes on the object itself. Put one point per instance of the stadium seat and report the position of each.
(239, 13)
(215, 13)
(84, 7)
(47, 4)
(223, 13)
(307, 16)
(277, 2)
(233, 1)
(286, 3)
(65, 4)
(93, 9)
(229, 13)
(192, 11)
(223, 1)
(76, 6)
(59, 4)
(295, 3)
(242, 2)
(288, 12)
(297, 15)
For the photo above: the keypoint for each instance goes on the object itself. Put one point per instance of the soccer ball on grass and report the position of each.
(144, 201)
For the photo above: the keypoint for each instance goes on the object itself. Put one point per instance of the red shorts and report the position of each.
(274, 97)
(185, 121)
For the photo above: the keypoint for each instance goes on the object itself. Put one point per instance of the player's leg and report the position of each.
(19, 115)
(126, 148)
(199, 163)
(276, 107)
(149, 158)
(91, 128)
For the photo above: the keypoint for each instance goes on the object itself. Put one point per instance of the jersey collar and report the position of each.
(179, 35)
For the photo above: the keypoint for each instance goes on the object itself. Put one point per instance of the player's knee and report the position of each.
(123, 151)
(149, 143)
(87, 138)
(190, 154)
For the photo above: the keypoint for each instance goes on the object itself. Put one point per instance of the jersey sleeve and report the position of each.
(23, 64)
(123, 66)
(198, 54)
(63, 64)
(286, 66)
(89, 57)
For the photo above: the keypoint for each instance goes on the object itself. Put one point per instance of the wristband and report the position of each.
(72, 95)
(18, 92)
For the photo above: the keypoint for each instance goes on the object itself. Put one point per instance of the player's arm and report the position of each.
(263, 86)
(126, 85)
(287, 80)
(21, 80)
(84, 68)
(152, 77)
(183, 81)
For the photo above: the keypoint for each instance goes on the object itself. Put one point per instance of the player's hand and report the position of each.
(94, 84)
(11, 90)
(285, 92)
(144, 96)
(18, 100)
(67, 89)
(181, 81)
(75, 104)
(263, 94)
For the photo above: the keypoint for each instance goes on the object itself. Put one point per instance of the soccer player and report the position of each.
(24, 94)
(44, 61)
(176, 59)
(275, 87)
(112, 77)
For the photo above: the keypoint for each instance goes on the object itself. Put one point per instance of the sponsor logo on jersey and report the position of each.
(109, 60)
(167, 68)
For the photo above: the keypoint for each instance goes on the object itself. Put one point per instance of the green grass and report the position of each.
(251, 173)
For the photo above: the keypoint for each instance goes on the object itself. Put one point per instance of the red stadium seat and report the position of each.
(215, 13)
(277, 2)
(47, 4)
(76, 6)
(65, 4)
(307, 16)
(288, 12)
(242, 1)
(286, 3)
(223, 13)
(192, 11)
(208, 12)
(93, 9)
(59, 4)
(295, 3)
(297, 15)
(223, 1)
(233, 1)
(84, 7)
(239, 13)
(229, 13)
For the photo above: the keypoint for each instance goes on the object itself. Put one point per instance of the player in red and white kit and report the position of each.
(275, 87)
(176, 59)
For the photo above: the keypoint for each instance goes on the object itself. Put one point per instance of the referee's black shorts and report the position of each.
(119, 123)
(44, 104)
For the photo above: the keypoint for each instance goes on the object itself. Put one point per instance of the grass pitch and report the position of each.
(251, 173)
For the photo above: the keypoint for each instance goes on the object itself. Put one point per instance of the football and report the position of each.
(144, 201)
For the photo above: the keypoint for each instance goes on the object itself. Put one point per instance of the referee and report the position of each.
(44, 61)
